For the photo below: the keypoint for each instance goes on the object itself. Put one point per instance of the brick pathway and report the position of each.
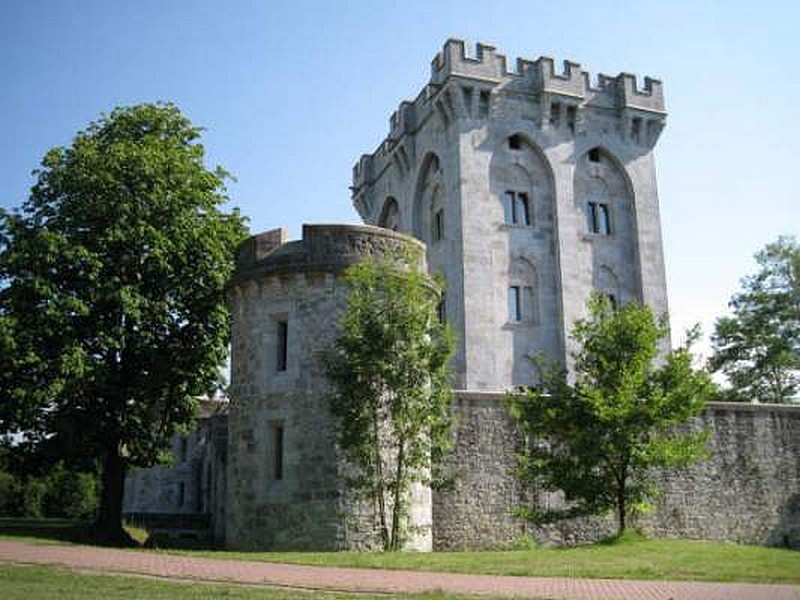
(373, 580)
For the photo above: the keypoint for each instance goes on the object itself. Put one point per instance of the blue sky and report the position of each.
(292, 93)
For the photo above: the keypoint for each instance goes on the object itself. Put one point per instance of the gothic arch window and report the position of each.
(437, 216)
(429, 201)
(390, 215)
(521, 183)
(603, 193)
(523, 300)
(607, 283)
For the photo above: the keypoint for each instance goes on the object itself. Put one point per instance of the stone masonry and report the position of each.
(285, 476)
(748, 490)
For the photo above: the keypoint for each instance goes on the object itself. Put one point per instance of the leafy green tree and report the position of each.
(758, 346)
(112, 300)
(391, 400)
(597, 438)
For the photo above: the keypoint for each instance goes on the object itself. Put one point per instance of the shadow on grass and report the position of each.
(64, 531)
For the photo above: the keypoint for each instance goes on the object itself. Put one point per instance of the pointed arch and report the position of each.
(390, 214)
(522, 183)
(428, 193)
(523, 290)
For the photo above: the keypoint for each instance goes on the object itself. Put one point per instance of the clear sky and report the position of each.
(291, 93)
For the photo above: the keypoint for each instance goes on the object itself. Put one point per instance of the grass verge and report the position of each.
(629, 558)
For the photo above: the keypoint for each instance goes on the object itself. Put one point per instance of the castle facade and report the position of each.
(528, 188)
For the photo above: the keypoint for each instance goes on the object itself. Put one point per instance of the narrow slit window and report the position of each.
(521, 209)
(598, 218)
(516, 208)
(277, 467)
(555, 114)
(468, 94)
(484, 102)
(514, 304)
(514, 142)
(594, 155)
(282, 345)
(636, 129)
(438, 225)
(572, 113)
(441, 309)
(604, 224)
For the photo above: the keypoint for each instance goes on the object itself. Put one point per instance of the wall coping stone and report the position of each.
(499, 396)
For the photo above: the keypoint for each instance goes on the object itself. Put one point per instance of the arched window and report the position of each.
(523, 302)
(598, 207)
(517, 201)
(428, 215)
(607, 284)
(390, 215)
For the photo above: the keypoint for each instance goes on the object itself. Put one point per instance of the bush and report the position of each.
(62, 493)
(33, 493)
(70, 494)
(9, 494)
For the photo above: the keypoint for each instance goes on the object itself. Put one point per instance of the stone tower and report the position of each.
(286, 485)
(530, 188)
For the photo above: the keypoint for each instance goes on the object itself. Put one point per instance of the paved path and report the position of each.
(381, 581)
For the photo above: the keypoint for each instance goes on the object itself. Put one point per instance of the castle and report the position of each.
(529, 188)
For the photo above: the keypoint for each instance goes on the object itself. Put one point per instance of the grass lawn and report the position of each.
(632, 557)
(18, 582)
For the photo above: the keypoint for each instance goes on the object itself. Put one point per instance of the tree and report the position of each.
(112, 302)
(758, 347)
(390, 376)
(599, 438)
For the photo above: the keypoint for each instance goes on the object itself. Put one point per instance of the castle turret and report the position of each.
(286, 478)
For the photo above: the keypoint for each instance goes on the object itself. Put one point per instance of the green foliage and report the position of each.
(758, 346)
(61, 493)
(112, 313)
(71, 495)
(8, 493)
(598, 438)
(391, 400)
(33, 492)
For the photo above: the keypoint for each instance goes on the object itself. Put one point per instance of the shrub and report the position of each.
(9, 494)
(70, 494)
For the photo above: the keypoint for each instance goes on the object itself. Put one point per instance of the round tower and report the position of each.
(286, 485)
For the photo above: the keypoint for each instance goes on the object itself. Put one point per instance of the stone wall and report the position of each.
(748, 491)
(190, 492)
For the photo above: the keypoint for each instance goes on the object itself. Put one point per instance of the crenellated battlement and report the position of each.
(487, 64)
(463, 85)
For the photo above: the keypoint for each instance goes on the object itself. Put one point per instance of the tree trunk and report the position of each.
(379, 493)
(621, 504)
(109, 521)
(397, 509)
